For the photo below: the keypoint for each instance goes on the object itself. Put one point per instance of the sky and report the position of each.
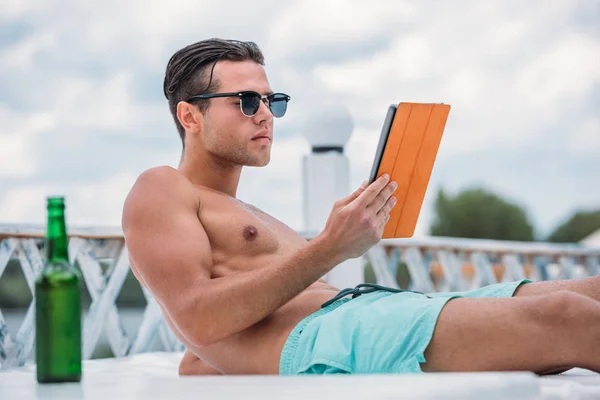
(82, 112)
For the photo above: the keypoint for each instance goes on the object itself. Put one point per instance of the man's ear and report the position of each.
(190, 117)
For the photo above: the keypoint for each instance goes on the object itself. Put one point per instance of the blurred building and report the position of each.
(592, 239)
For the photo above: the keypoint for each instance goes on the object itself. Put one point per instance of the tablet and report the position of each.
(408, 145)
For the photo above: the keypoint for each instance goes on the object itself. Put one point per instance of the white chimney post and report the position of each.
(326, 179)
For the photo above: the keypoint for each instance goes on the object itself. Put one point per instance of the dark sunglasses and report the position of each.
(250, 101)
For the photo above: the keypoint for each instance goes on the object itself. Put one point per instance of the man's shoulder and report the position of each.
(155, 187)
(162, 180)
(160, 176)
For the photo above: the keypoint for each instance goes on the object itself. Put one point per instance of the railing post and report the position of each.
(419, 273)
(484, 275)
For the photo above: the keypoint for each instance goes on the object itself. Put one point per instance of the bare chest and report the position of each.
(242, 237)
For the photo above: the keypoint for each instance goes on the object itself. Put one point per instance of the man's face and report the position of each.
(229, 134)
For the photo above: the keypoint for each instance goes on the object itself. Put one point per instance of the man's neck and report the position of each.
(215, 174)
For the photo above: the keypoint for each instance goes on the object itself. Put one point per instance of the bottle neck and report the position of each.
(56, 236)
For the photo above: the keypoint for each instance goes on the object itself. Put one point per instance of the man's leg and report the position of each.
(538, 333)
(586, 286)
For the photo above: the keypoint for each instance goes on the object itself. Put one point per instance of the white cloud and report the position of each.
(11, 9)
(23, 205)
(508, 94)
(78, 105)
(150, 31)
(96, 203)
(406, 59)
(586, 138)
(314, 23)
(16, 161)
(361, 150)
(21, 56)
(106, 104)
(17, 135)
(564, 72)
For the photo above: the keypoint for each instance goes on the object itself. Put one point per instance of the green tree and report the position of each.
(581, 224)
(477, 213)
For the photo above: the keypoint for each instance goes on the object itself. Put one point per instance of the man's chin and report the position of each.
(259, 163)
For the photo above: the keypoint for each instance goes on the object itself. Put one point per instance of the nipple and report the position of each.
(250, 233)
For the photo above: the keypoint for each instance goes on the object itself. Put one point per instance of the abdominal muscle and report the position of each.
(257, 349)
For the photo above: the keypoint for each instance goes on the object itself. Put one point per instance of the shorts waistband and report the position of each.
(365, 288)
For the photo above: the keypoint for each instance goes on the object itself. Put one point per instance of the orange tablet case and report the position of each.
(407, 150)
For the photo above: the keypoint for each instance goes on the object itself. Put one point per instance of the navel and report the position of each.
(250, 233)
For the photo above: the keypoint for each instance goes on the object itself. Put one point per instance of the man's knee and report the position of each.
(562, 308)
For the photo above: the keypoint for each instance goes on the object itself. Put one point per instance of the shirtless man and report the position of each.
(243, 292)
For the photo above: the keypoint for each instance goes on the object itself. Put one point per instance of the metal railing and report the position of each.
(431, 264)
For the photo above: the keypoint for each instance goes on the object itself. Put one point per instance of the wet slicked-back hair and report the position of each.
(190, 71)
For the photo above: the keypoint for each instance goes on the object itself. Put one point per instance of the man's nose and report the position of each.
(263, 113)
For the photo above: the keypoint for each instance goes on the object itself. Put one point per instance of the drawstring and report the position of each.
(364, 288)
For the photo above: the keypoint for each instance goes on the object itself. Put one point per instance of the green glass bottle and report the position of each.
(58, 305)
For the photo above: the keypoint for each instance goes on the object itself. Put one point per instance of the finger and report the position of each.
(385, 210)
(354, 195)
(382, 224)
(383, 197)
(388, 206)
(367, 196)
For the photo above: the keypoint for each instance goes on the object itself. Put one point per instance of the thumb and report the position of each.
(354, 195)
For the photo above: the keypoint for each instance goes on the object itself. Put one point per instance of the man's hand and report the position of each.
(356, 222)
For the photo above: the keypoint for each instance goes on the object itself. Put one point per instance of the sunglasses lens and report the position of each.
(278, 105)
(250, 104)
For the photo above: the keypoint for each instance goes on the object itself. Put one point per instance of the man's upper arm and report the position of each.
(166, 241)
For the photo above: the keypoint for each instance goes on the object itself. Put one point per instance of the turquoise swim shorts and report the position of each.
(379, 330)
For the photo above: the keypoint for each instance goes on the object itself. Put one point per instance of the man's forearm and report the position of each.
(230, 304)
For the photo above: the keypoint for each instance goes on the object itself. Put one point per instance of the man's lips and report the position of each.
(262, 138)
